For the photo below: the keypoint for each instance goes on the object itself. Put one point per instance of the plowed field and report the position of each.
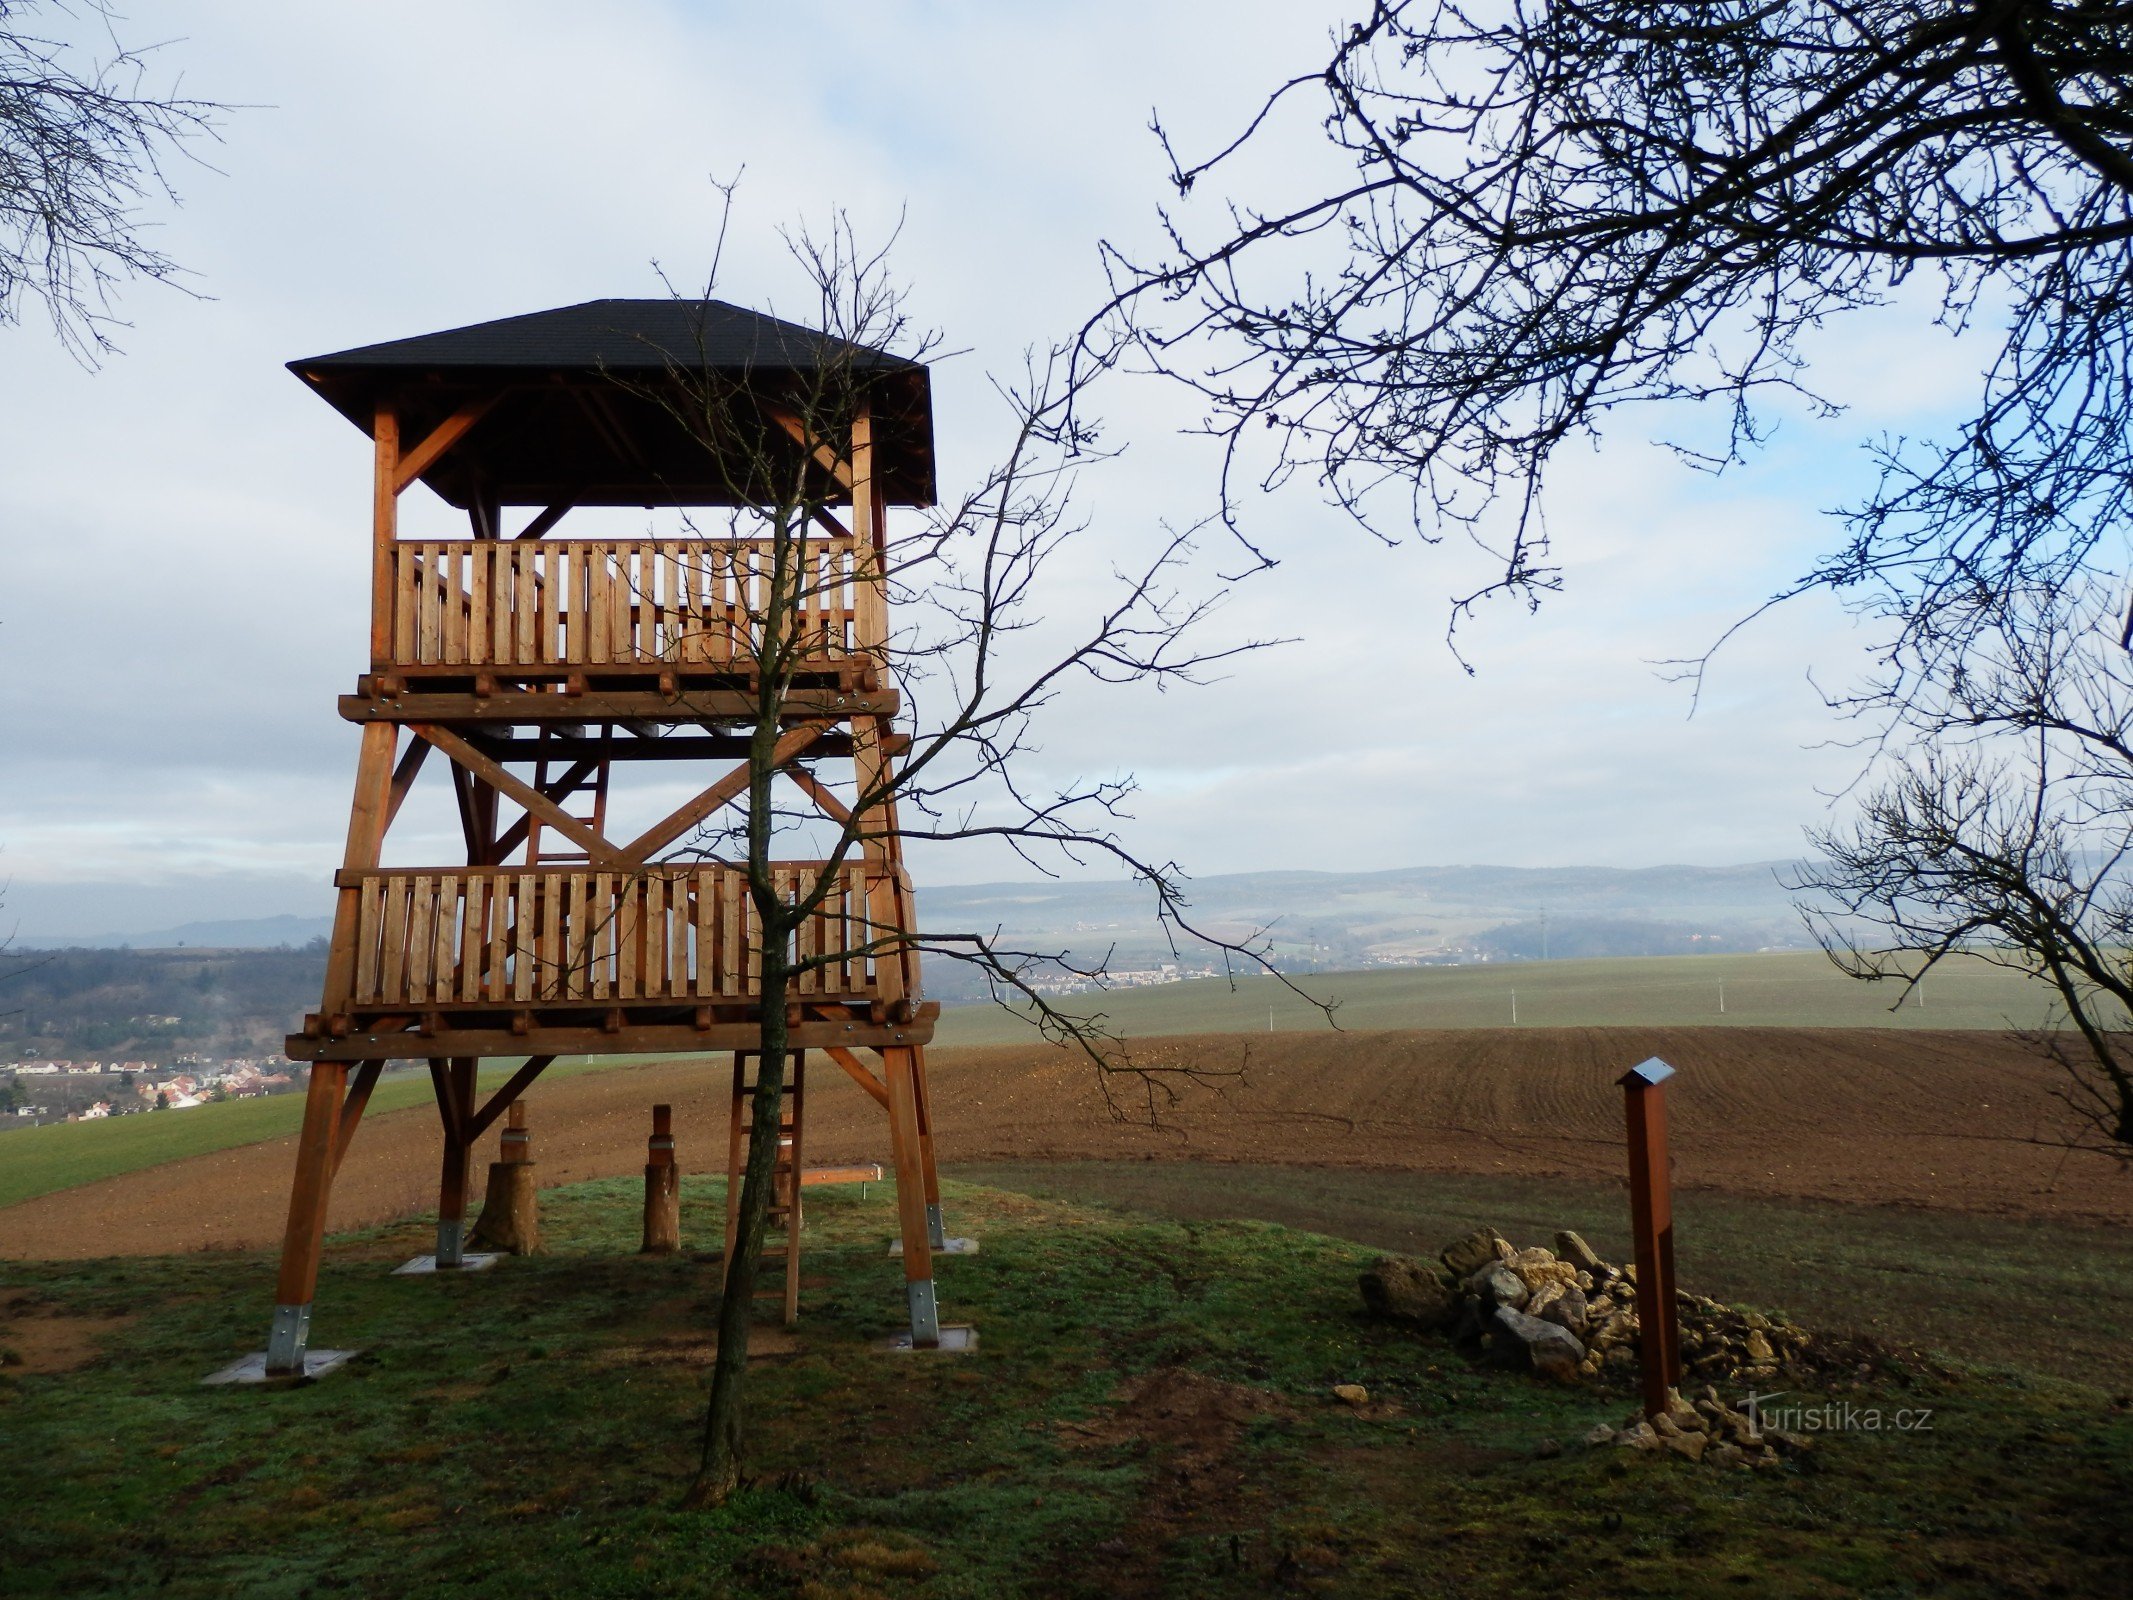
(1962, 1121)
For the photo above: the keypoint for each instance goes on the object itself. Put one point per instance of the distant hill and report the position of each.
(154, 1005)
(1408, 916)
(1312, 921)
(244, 933)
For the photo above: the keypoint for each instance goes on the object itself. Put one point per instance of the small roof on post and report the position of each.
(587, 404)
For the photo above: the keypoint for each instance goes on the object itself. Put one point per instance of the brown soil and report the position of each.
(1961, 1121)
(1187, 1427)
(34, 1340)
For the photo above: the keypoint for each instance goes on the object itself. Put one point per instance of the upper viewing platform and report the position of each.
(647, 403)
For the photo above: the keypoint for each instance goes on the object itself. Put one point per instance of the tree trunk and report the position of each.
(510, 1217)
(719, 1473)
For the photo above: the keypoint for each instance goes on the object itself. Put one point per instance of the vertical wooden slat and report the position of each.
(730, 957)
(406, 575)
(420, 914)
(525, 959)
(628, 923)
(550, 929)
(679, 920)
(706, 900)
(577, 920)
(392, 967)
(426, 584)
(548, 564)
(505, 603)
(649, 937)
(369, 919)
(598, 581)
(451, 628)
(479, 627)
(572, 602)
(496, 903)
(525, 603)
(451, 915)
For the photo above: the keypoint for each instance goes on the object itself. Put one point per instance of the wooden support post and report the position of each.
(454, 1083)
(510, 1212)
(384, 531)
(304, 1236)
(1651, 1218)
(923, 1104)
(662, 1188)
(911, 1199)
(367, 820)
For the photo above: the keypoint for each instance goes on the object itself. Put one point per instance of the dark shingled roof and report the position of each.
(621, 336)
(587, 401)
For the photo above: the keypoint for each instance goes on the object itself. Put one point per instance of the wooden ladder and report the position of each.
(538, 852)
(786, 1179)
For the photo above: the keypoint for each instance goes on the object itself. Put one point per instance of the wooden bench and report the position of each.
(866, 1172)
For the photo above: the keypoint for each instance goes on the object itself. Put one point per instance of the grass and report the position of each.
(65, 1155)
(1148, 1415)
(1993, 1291)
(1783, 989)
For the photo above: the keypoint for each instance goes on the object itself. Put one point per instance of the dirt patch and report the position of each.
(690, 1350)
(1955, 1121)
(1188, 1428)
(37, 1341)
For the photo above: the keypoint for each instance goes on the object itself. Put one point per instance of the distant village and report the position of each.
(37, 1092)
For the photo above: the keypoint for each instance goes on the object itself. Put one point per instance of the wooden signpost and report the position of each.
(1651, 1220)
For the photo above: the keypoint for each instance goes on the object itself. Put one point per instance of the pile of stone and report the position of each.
(1705, 1430)
(1567, 1315)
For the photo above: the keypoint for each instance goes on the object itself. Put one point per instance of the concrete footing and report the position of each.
(466, 1263)
(956, 1339)
(253, 1368)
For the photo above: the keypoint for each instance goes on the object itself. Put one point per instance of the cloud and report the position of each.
(182, 575)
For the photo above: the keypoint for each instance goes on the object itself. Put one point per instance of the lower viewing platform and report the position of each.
(518, 960)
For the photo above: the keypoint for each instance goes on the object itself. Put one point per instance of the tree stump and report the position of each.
(510, 1214)
(662, 1188)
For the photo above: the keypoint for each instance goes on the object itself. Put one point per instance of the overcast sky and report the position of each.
(182, 571)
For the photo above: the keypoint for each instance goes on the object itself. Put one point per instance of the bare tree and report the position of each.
(1540, 211)
(2005, 833)
(979, 650)
(83, 145)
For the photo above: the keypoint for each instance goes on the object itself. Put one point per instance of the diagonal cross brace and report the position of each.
(597, 850)
(663, 833)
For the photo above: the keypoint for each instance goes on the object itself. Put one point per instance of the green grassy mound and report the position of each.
(1150, 1413)
(1780, 989)
(64, 1155)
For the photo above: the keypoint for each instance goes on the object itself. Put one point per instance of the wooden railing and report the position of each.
(603, 602)
(515, 936)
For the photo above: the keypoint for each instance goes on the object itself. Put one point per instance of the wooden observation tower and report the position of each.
(539, 664)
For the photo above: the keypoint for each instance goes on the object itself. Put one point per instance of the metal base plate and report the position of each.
(957, 1338)
(253, 1368)
(468, 1263)
(947, 1247)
